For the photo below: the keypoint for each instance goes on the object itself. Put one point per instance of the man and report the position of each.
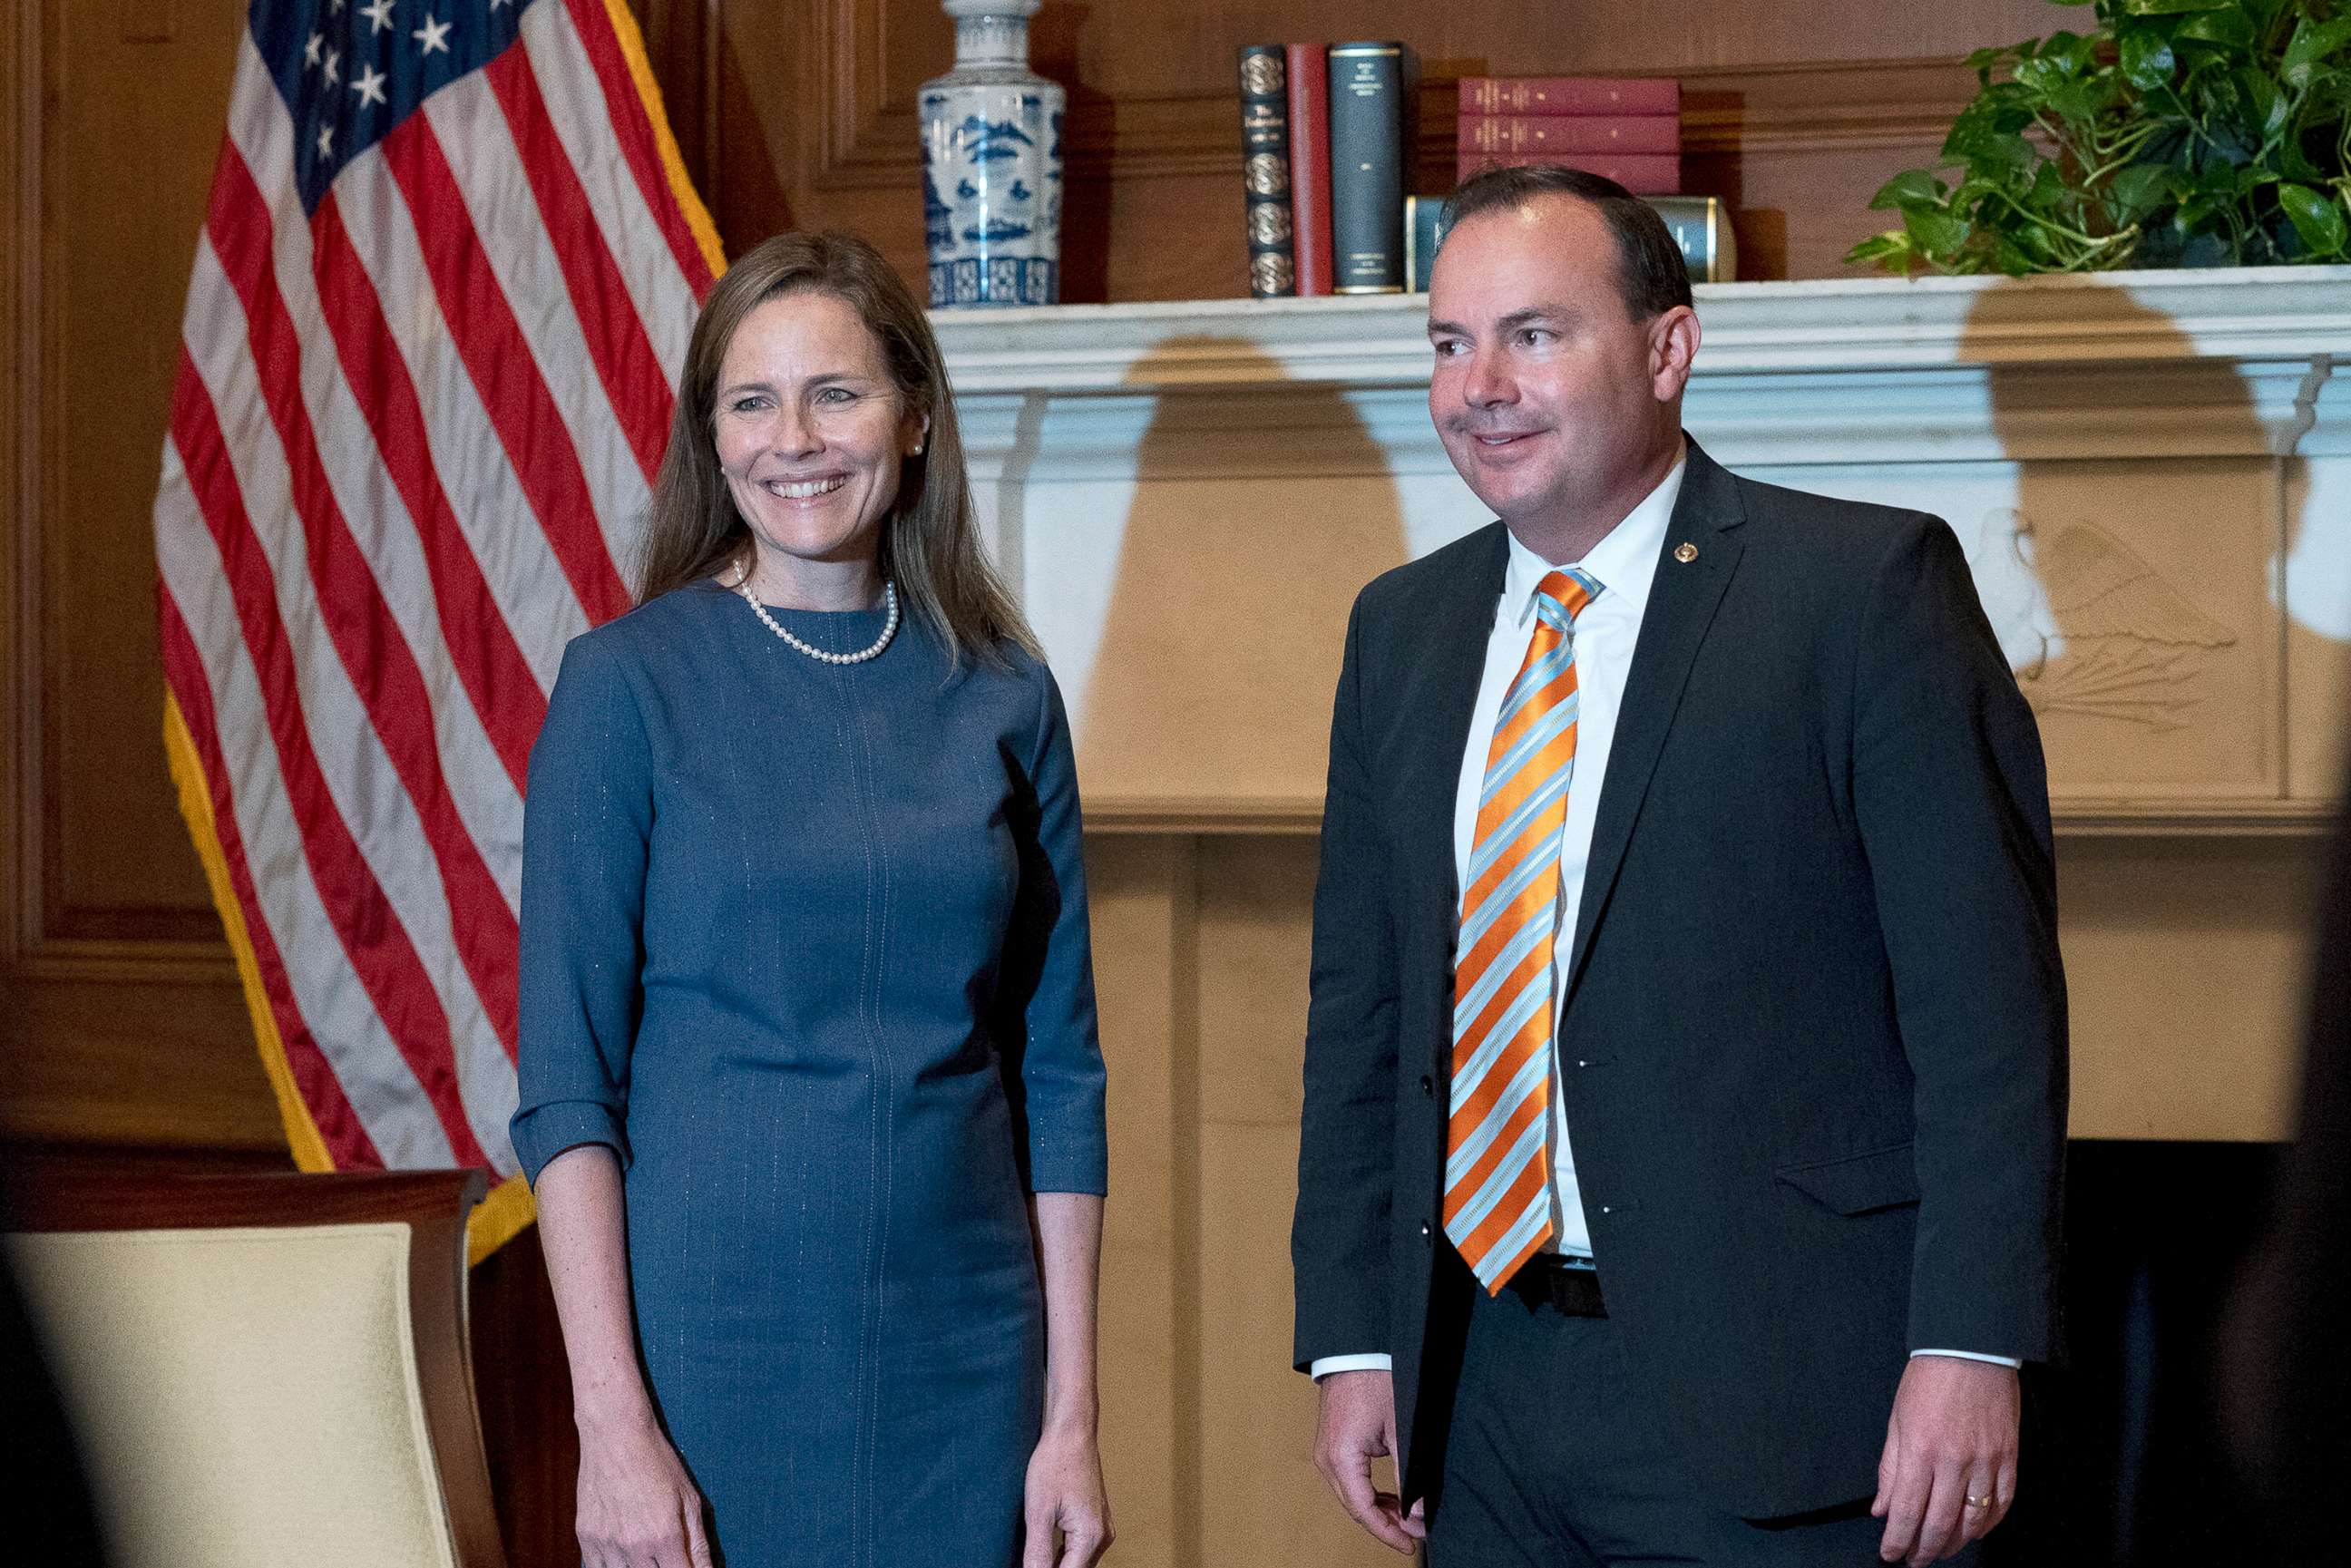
(1685, 1068)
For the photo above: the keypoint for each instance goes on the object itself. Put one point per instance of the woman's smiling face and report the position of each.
(810, 431)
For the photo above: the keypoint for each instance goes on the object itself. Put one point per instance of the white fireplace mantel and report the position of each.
(1154, 477)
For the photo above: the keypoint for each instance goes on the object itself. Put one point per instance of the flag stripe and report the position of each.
(369, 503)
(513, 390)
(512, 545)
(635, 132)
(616, 339)
(455, 884)
(323, 1093)
(575, 108)
(480, 159)
(397, 1006)
(505, 692)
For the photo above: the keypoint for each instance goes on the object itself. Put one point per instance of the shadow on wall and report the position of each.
(1204, 678)
(1258, 514)
(2130, 620)
(2132, 601)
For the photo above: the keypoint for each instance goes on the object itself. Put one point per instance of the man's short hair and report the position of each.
(1650, 271)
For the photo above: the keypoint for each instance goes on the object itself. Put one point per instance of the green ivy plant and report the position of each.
(2175, 133)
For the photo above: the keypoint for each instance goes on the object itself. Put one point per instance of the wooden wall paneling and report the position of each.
(1256, 1431)
(122, 234)
(523, 1385)
(20, 338)
(1147, 970)
(124, 1021)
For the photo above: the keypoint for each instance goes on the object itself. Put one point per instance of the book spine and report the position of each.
(1643, 174)
(1310, 166)
(1618, 134)
(1571, 95)
(1702, 226)
(1424, 230)
(1367, 168)
(1265, 170)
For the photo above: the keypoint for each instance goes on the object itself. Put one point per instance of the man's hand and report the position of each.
(1952, 1437)
(1355, 1425)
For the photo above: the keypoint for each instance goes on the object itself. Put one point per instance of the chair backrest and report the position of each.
(264, 1371)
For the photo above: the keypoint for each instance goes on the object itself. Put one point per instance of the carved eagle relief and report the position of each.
(2088, 625)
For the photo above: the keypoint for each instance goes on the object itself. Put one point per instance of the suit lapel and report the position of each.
(1682, 602)
(1441, 691)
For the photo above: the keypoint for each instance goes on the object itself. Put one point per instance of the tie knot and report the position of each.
(1562, 595)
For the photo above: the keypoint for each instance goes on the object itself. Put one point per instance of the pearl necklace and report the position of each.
(889, 627)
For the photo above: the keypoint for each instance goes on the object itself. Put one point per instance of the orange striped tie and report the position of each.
(1497, 1170)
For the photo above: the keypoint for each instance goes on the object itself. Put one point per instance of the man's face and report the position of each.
(1550, 398)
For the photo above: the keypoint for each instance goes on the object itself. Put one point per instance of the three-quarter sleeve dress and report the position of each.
(806, 945)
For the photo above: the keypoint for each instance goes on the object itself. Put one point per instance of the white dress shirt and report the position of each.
(1624, 564)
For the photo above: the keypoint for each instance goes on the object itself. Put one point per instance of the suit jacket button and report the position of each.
(1428, 1085)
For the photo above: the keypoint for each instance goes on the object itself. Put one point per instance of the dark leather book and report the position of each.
(1265, 170)
(1310, 166)
(1700, 227)
(1367, 176)
(1586, 133)
(1571, 95)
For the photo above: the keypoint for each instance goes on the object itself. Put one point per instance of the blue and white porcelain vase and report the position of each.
(992, 164)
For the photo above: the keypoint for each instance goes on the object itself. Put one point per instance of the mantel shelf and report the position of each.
(2291, 313)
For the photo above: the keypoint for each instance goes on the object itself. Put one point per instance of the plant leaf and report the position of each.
(2267, 100)
(2170, 8)
(2084, 99)
(2009, 258)
(1910, 188)
(1936, 234)
(1891, 250)
(2223, 26)
(2148, 61)
(2318, 222)
(2315, 40)
(2138, 188)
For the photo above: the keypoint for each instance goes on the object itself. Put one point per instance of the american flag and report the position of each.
(428, 361)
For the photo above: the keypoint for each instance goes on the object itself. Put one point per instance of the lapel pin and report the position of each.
(1686, 552)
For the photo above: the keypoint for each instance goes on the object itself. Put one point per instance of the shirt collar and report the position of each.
(1623, 563)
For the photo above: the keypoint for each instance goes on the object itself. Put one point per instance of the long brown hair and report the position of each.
(930, 540)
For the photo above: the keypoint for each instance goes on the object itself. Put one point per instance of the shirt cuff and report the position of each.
(2008, 1361)
(548, 1130)
(1371, 1361)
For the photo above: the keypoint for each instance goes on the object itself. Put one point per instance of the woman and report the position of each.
(811, 1095)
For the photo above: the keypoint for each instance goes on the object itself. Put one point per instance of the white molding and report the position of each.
(2222, 362)
(1867, 323)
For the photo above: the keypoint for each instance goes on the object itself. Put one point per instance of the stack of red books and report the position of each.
(1628, 129)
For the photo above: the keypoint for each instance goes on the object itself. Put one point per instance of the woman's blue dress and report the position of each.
(806, 945)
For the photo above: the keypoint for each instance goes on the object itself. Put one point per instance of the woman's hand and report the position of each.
(1067, 1510)
(637, 1508)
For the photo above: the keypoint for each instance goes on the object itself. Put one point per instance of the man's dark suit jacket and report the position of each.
(1813, 1043)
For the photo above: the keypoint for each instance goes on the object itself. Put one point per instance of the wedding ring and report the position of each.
(1974, 1502)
